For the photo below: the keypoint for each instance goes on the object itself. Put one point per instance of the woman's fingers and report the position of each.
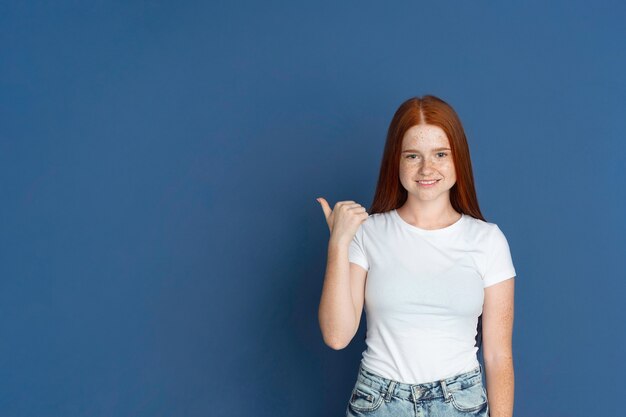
(344, 218)
(349, 204)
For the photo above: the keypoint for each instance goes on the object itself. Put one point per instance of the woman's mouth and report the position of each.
(427, 183)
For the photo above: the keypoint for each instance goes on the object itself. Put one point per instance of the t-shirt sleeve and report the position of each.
(499, 262)
(356, 252)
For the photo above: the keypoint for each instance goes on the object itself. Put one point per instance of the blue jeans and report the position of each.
(460, 395)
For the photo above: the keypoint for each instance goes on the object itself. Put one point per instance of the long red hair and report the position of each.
(390, 194)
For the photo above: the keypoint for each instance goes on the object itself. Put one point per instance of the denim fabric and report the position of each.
(457, 396)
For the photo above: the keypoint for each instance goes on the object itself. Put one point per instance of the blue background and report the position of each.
(162, 252)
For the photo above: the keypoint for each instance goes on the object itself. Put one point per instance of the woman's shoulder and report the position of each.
(378, 218)
(480, 229)
(376, 221)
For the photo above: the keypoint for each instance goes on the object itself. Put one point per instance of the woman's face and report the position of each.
(426, 155)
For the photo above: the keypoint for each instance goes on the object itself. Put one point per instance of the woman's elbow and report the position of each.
(336, 344)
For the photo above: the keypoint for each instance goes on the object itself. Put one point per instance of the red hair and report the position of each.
(390, 194)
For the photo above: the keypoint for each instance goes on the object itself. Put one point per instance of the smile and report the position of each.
(427, 183)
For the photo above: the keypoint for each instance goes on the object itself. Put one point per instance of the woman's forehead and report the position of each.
(425, 137)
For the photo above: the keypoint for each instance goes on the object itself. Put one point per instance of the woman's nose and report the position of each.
(426, 166)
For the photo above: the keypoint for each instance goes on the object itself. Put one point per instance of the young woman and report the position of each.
(436, 279)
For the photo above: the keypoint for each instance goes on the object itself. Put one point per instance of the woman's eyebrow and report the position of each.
(436, 150)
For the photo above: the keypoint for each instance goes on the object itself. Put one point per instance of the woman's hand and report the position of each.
(344, 219)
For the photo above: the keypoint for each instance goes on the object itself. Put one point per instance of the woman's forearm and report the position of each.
(336, 310)
(500, 386)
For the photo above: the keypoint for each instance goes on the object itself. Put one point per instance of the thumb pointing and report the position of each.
(325, 206)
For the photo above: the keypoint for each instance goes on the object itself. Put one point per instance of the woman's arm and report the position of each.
(342, 298)
(497, 324)
(343, 291)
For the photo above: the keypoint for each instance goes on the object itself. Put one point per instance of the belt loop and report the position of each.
(444, 388)
(390, 389)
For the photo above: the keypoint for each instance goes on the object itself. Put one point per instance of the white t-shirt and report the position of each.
(424, 292)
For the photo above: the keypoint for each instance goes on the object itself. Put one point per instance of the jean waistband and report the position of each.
(424, 391)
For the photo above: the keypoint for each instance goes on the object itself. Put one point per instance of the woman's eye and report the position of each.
(440, 154)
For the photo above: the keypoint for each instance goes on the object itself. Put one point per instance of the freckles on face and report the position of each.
(426, 153)
(425, 138)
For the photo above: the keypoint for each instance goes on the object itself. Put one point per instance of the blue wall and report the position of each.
(162, 252)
